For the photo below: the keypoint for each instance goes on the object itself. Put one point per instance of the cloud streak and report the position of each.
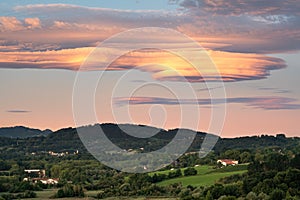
(275, 90)
(18, 111)
(240, 7)
(265, 103)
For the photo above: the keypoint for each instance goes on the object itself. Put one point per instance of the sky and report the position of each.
(224, 67)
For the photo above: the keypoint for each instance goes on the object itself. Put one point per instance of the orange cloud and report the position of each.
(163, 65)
(61, 59)
(227, 66)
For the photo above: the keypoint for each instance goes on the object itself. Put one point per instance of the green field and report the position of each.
(206, 175)
(203, 169)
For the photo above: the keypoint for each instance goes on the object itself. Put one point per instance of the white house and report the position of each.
(227, 162)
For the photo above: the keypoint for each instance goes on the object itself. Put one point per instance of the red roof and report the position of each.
(228, 161)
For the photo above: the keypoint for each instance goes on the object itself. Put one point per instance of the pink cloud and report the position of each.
(10, 24)
(240, 7)
(238, 33)
(266, 103)
(33, 23)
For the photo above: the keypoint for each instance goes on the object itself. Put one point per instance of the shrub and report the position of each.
(190, 171)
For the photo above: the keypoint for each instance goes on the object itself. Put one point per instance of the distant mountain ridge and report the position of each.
(67, 139)
(22, 132)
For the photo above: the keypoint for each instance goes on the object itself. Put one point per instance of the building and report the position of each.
(39, 175)
(46, 181)
(35, 173)
(227, 162)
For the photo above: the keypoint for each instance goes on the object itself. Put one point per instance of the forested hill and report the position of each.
(68, 140)
(255, 142)
(22, 132)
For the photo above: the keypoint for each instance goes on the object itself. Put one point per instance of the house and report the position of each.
(35, 173)
(46, 181)
(227, 162)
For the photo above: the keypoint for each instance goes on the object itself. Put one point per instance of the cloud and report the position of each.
(10, 24)
(33, 23)
(275, 90)
(236, 42)
(61, 59)
(247, 33)
(240, 7)
(248, 26)
(103, 17)
(83, 26)
(162, 65)
(266, 103)
(18, 111)
(231, 66)
(209, 89)
(244, 34)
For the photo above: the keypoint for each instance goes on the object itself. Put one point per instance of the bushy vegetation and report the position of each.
(25, 195)
(70, 191)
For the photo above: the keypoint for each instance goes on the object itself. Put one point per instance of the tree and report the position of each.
(190, 171)
(262, 196)
(70, 191)
(295, 162)
(232, 154)
(245, 157)
(251, 196)
(55, 171)
(178, 172)
(276, 161)
(174, 174)
(4, 165)
(217, 191)
(277, 194)
(224, 197)
(232, 190)
(208, 196)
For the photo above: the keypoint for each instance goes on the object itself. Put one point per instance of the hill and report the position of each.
(22, 132)
(25, 140)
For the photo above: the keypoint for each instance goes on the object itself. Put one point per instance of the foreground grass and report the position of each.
(206, 176)
(199, 180)
(202, 169)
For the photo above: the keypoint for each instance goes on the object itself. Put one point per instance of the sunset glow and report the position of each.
(252, 48)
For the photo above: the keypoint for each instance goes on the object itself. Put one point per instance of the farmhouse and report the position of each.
(227, 162)
(34, 173)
